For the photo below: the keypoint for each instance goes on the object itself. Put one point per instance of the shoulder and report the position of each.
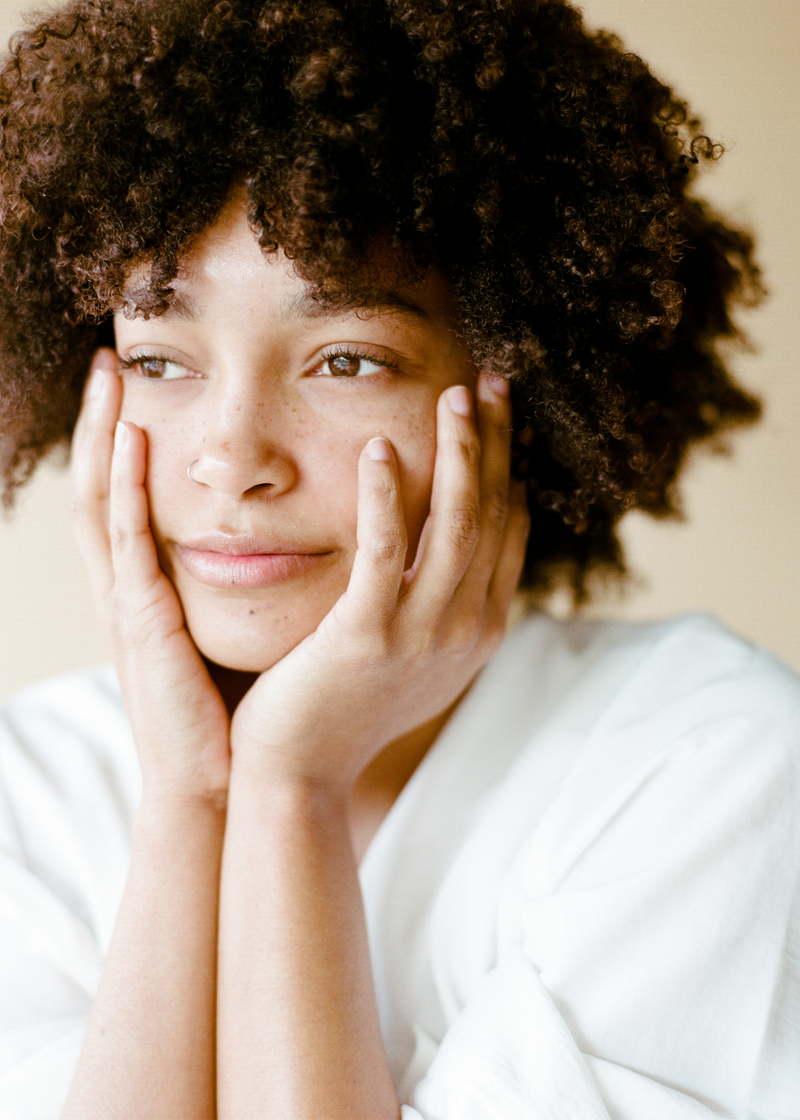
(65, 752)
(642, 716)
(690, 664)
(60, 693)
(77, 711)
(674, 731)
(582, 734)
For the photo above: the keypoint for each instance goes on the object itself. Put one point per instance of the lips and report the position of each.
(246, 561)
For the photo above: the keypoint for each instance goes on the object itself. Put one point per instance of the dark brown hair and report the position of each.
(544, 170)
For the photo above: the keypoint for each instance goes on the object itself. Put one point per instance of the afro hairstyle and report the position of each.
(545, 171)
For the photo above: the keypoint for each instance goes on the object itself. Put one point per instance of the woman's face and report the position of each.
(270, 399)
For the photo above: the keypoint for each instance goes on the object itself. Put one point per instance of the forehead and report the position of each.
(225, 265)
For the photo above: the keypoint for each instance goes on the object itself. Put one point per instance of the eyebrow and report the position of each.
(305, 306)
(301, 306)
(181, 305)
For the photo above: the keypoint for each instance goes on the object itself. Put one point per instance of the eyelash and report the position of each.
(141, 359)
(377, 358)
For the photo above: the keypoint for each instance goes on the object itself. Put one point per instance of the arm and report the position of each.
(298, 1033)
(298, 1028)
(149, 1046)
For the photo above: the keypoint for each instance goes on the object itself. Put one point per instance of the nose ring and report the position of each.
(189, 472)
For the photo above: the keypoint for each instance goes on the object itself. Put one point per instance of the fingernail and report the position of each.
(492, 388)
(121, 435)
(459, 399)
(379, 449)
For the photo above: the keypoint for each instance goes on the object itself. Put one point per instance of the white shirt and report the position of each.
(585, 904)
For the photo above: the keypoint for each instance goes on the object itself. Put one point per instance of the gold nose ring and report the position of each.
(189, 472)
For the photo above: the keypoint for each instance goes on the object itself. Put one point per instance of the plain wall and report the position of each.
(736, 553)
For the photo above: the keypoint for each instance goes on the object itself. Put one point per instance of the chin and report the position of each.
(235, 662)
(250, 639)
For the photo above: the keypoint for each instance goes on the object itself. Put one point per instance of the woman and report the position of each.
(317, 254)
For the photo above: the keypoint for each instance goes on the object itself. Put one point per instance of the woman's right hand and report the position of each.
(179, 720)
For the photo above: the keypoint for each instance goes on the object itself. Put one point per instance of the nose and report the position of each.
(245, 447)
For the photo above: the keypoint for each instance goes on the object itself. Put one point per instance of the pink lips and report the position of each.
(243, 562)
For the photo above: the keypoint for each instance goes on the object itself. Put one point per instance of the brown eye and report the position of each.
(158, 369)
(152, 367)
(345, 365)
(350, 365)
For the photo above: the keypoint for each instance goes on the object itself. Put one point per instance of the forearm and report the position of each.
(298, 1033)
(149, 1047)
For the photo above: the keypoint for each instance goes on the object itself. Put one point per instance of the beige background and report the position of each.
(736, 554)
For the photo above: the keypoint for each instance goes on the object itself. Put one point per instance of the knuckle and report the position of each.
(382, 488)
(425, 644)
(463, 527)
(84, 500)
(137, 623)
(469, 444)
(372, 645)
(462, 635)
(387, 545)
(378, 647)
(125, 538)
(119, 537)
(79, 507)
(495, 507)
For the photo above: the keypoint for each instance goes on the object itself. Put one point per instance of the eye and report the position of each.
(155, 369)
(345, 363)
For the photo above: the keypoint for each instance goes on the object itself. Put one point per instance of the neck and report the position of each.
(382, 781)
(232, 684)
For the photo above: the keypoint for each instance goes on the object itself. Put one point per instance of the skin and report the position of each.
(241, 934)
(274, 439)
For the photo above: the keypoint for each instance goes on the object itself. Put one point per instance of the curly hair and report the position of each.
(544, 170)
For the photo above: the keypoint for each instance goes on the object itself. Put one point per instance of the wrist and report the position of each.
(283, 795)
(197, 782)
(162, 812)
(322, 769)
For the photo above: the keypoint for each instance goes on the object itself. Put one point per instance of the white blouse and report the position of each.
(585, 904)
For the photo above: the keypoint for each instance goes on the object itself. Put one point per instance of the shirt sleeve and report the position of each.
(69, 784)
(49, 967)
(648, 935)
(511, 1054)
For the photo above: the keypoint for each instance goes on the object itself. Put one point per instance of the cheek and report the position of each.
(411, 429)
(171, 445)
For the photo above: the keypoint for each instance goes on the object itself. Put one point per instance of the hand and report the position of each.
(179, 720)
(399, 647)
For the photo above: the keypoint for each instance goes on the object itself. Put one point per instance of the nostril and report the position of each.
(264, 471)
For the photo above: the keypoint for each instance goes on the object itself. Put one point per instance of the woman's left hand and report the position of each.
(398, 648)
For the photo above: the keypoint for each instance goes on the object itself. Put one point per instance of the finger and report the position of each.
(450, 534)
(133, 551)
(92, 447)
(494, 426)
(103, 377)
(377, 573)
(511, 559)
